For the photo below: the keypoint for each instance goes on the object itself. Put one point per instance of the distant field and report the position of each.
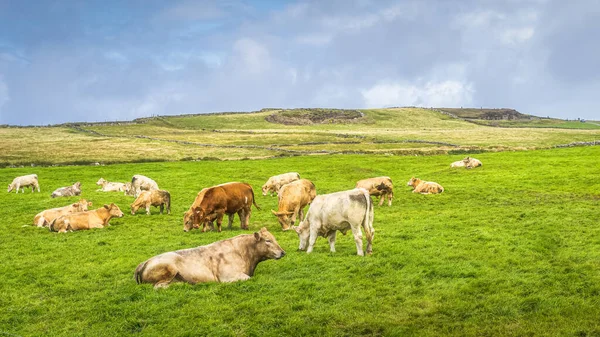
(509, 249)
(398, 131)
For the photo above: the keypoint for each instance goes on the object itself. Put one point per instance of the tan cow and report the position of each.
(24, 181)
(424, 187)
(110, 186)
(97, 218)
(467, 162)
(276, 182)
(381, 187)
(152, 198)
(227, 260)
(68, 191)
(44, 218)
(293, 198)
(142, 183)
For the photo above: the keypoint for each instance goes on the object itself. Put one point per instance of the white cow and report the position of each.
(141, 183)
(338, 211)
(274, 183)
(108, 186)
(24, 181)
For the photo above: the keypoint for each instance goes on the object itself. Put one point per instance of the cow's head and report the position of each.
(81, 206)
(101, 181)
(382, 188)
(303, 231)
(267, 246)
(265, 189)
(412, 182)
(114, 210)
(77, 186)
(285, 219)
(189, 221)
(10, 187)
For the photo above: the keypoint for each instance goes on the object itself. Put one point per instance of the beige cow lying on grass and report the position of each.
(24, 181)
(424, 187)
(97, 218)
(467, 162)
(44, 218)
(381, 187)
(108, 186)
(152, 198)
(227, 260)
(68, 191)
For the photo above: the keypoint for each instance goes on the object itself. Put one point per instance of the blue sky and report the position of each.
(73, 60)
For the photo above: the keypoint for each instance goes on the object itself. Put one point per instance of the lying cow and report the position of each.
(44, 218)
(30, 180)
(227, 260)
(381, 187)
(110, 186)
(141, 183)
(339, 211)
(152, 198)
(467, 162)
(276, 182)
(460, 163)
(424, 187)
(97, 218)
(229, 198)
(68, 191)
(293, 197)
(129, 190)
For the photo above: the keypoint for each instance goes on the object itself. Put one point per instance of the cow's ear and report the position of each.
(106, 206)
(257, 236)
(263, 230)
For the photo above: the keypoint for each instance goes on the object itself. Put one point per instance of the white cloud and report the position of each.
(515, 36)
(437, 94)
(254, 56)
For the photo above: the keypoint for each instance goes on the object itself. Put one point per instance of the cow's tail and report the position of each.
(254, 199)
(368, 220)
(139, 271)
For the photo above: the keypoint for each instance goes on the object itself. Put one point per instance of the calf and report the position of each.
(109, 186)
(68, 191)
(339, 211)
(227, 260)
(293, 197)
(129, 190)
(24, 181)
(424, 187)
(97, 218)
(274, 183)
(141, 183)
(381, 187)
(44, 218)
(152, 198)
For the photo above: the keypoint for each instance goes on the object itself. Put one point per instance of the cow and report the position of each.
(68, 191)
(24, 181)
(109, 186)
(338, 211)
(97, 218)
(129, 190)
(141, 183)
(293, 198)
(424, 187)
(189, 217)
(275, 182)
(460, 163)
(152, 198)
(44, 218)
(472, 162)
(229, 198)
(381, 187)
(229, 260)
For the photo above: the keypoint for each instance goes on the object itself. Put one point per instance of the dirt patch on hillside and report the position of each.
(487, 114)
(316, 116)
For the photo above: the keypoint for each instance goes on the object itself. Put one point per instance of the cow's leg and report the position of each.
(18, 186)
(219, 221)
(147, 209)
(230, 218)
(381, 199)
(357, 233)
(165, 276)
(32, 188)
(234, 278)
(331, 239)
(246, 220)
(162, 207)
(312, 239)
(390, 197)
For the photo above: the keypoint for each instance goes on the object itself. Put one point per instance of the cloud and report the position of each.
(431, 94)
(254, 56)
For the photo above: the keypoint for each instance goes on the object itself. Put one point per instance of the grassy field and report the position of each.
(511, 248)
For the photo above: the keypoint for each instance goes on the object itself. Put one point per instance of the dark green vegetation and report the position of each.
(512, 248)
(315, 116)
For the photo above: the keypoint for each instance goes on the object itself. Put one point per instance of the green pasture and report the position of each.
(511, 248)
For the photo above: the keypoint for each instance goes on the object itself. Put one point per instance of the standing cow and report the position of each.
(68, 191)
(229, 198)
(381, 187)
(152, 198)
(276, 182)
(24, 181)
(141, 183)
(293, 197)
(338, 211)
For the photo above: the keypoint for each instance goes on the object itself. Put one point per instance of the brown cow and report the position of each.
(44, 218)
(227, 260)
(229, 198)
(152, 198)
(97, 218)
(293, 197)
(424, 187)
(381, 187)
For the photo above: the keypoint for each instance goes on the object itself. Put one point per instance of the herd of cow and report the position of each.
(236, 258)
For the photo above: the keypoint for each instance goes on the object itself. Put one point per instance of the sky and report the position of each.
(105, 60)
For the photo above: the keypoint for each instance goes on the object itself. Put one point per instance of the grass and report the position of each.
(510, 248)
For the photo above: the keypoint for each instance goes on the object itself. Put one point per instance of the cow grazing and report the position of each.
(97, 218)
(276, 182)
(293, 197)
(68, 191)
(381, 187)
(424, 187)
(44, 218)
(216, 201)
(109, 186)
(30, 180)
(152, 198)
(338, 211)
(227, 260)
(141, 183)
